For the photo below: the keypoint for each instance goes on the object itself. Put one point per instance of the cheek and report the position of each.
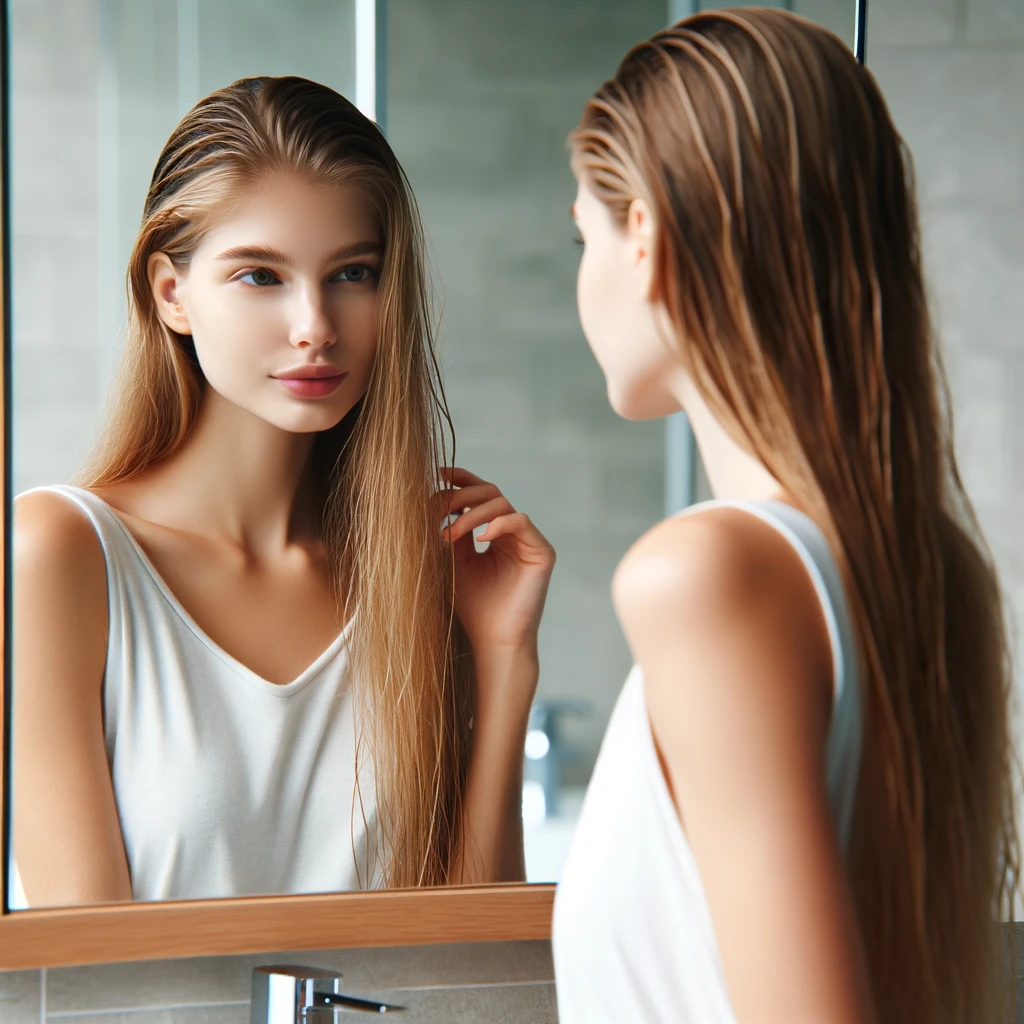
(237, 343)
(355, 323)
(603, 303)
(592, 299)
(223, 320)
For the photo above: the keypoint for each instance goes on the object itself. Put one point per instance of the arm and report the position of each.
(67, 838)
(723, 619)
(491, 848)
(499, 598)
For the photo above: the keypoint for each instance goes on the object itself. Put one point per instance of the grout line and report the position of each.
(44, 1017)
(472, 984)
(71, 1014)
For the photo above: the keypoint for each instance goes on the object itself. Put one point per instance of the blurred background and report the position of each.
(476, 99)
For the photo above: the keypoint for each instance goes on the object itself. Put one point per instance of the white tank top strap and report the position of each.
(809, 542)
(125, 582)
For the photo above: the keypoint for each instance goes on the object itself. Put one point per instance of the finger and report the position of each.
(465, 497)
(464, 548)
(484, 513)
(518, 524)
(459, 476)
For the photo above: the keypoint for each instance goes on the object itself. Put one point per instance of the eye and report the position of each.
(578, 240)
(356, 273)
(260, 277)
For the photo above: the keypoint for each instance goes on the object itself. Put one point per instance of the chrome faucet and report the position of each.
(286, 994)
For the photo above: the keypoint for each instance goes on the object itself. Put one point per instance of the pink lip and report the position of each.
(308, 370)
(317, 386)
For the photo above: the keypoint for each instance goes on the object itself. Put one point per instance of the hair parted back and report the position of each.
(374, 472)
(787, 257)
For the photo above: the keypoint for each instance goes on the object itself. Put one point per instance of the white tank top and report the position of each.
(226, 784)
(632, 934)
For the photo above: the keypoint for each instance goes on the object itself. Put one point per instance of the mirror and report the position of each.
(477, 100)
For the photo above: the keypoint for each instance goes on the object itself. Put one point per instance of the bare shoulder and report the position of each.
(56, 551)
(721, 595)
(712, 562)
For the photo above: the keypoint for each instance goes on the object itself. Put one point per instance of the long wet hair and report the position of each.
(788, 260)
(373, 473)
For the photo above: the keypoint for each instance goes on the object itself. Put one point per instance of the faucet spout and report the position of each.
(287, 994)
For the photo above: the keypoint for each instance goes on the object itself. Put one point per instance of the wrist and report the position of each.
(506, 679)
(499, 659)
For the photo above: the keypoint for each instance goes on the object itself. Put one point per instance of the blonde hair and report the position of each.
(374, 472)
(787, 257)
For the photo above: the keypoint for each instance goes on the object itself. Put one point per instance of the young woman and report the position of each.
(246, 659)
(802, 809)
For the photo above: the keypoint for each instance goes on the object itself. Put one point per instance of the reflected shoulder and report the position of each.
(55, 543)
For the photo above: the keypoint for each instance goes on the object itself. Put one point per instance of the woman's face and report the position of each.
(627, 333)
(282, 287)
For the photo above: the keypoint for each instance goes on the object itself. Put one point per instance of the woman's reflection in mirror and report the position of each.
(247, 657)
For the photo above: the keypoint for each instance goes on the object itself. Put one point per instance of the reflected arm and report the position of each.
(491, 849)
(67, 837)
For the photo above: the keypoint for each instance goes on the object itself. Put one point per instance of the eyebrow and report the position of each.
(265, 254)
(572, 211)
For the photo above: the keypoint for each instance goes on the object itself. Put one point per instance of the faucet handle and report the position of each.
(287, 994)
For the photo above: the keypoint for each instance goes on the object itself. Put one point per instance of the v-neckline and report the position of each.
(280, 689)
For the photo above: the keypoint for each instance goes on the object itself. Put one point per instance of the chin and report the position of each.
(306, 421)
(640, 404)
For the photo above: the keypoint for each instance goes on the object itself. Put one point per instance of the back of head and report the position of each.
(787, 258)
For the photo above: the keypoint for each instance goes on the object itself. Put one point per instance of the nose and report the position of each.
(311, 326)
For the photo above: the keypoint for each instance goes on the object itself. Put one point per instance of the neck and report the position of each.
(732, 470)
(240, 477)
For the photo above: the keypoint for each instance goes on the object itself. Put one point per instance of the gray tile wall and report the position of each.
(953, 75)
(481, 98)
(501, 983)
(468, 983)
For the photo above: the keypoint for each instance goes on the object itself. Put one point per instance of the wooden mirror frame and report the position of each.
(141, 931)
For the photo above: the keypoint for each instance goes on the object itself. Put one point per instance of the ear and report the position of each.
(640, 230)
(167, 285)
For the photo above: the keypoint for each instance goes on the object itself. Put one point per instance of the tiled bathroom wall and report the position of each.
(481, 99)
(952, 72)
(468, 983)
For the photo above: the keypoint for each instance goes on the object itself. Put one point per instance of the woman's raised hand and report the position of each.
(499, 593)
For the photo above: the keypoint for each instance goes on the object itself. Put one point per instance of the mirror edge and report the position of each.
(5, 498)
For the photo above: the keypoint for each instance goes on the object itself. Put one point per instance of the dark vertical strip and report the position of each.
(5, 256)
(860, 39)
